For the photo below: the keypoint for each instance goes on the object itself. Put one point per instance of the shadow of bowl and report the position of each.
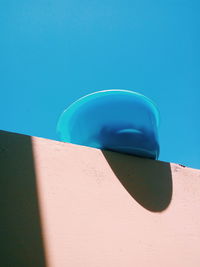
(149, 182)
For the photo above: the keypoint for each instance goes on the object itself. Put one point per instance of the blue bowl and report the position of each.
(117, 120)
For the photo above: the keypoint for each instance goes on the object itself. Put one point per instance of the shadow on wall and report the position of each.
(149, 182)
(20, 227)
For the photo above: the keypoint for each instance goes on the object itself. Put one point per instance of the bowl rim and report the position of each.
(157, 113)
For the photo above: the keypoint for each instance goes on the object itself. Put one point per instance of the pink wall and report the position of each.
(75, 206)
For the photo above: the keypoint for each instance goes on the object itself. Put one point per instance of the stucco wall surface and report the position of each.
(68, 205)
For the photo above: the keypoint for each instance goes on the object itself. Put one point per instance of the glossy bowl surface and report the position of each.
(117, 120)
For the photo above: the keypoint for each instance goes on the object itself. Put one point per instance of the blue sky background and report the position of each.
(55, 51)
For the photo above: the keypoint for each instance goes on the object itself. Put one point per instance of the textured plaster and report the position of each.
(97, 208)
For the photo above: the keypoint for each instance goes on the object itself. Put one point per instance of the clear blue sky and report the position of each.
(55, 51)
